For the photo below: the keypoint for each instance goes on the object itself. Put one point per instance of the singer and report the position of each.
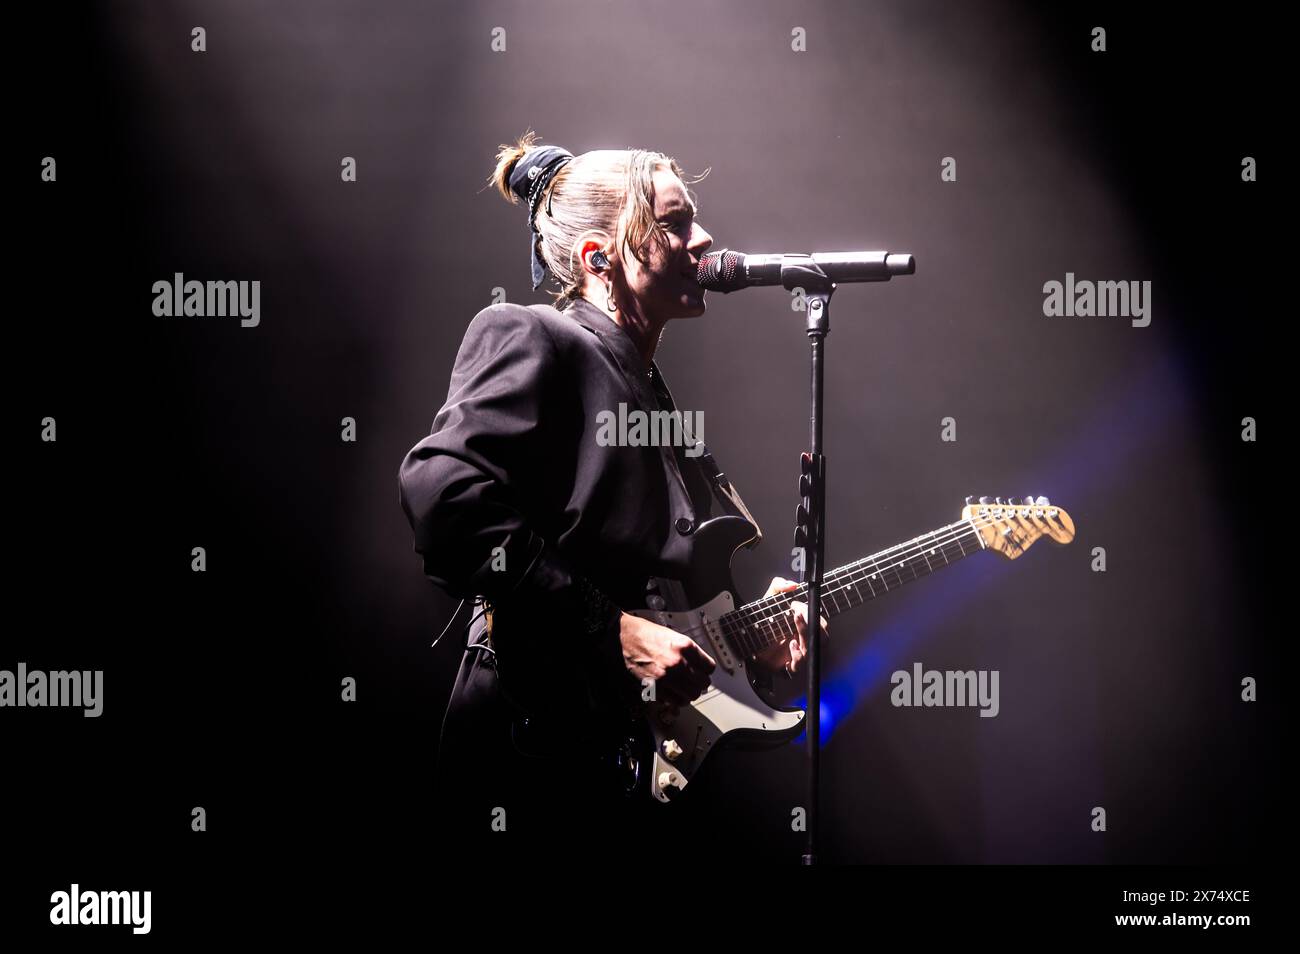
(516, 505)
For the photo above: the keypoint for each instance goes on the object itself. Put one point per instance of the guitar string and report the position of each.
(761, 627)
(757, 619)
(743, 624)
(954, 533)
(743, 619)
(848, 579)
(927, 542)
(738, 632)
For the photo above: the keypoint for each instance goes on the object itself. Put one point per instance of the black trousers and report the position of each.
(543, 801)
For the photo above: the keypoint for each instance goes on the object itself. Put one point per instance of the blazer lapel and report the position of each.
(620, 345)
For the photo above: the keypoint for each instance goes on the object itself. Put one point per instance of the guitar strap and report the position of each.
(727, 495)
(720, 486)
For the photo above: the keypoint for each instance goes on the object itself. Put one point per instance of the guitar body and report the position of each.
(676, 742)
(660, 748)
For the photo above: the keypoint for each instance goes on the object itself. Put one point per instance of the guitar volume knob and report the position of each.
(672, 751)
(668, 783)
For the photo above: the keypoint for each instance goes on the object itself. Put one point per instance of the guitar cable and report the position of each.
(459, 607)
(472, 620)
(514, 723)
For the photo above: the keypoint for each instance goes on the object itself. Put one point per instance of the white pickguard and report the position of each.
(729, 704)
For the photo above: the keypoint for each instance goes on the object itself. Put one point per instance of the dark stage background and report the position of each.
(222, 689)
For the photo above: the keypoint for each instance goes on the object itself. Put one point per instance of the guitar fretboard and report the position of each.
(755, 626)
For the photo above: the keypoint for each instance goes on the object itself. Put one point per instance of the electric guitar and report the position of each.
(671, 744)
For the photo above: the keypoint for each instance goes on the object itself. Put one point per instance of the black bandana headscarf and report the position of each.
(528, 180)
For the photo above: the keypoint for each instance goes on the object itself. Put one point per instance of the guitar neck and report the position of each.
(755, 626)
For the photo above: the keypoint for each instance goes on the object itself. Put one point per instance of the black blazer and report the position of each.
(513, 463)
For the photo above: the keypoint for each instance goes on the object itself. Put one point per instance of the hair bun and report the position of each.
(508, 158)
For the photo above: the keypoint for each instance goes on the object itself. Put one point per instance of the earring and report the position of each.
(610, 305)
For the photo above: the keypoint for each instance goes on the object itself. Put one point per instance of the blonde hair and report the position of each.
(605, 190)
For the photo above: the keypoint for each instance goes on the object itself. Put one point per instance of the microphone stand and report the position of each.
(803, 272)
(810, 528)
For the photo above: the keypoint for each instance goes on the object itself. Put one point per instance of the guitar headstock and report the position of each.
(1010, 527)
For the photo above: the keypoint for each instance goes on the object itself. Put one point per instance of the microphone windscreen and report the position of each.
(721, 271)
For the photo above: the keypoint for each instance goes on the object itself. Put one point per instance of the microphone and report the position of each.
(728, 271)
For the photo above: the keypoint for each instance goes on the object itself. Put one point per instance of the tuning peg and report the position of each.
(968, 501)
(1013, 501)
(984, 500)
(805, 485)
(1043, 502)
(1000, 501)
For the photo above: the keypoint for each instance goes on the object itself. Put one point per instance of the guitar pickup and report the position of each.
(703, 625)
(721, 646)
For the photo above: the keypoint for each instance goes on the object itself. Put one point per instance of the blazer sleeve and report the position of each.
(465, 487)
